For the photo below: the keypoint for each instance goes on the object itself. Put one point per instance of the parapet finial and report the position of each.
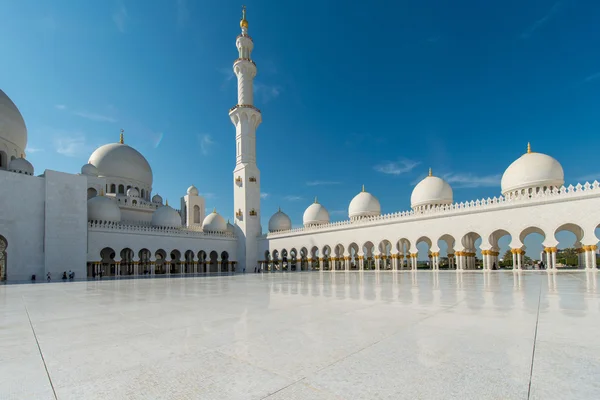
(243, 21)
(122, 137)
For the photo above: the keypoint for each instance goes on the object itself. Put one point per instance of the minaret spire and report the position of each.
(246, 118)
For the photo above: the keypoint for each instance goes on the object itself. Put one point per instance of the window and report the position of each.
(121, 189)
(113, 188)
(196, 215)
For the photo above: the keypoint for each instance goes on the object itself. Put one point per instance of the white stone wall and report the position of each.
(22, 224)
(576, 209)
(65, 229)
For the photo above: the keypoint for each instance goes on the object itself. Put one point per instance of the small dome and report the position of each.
(364, 204)
(280, 222)
(532, 171)
(431, 191)
(21, 166)
(157, 199)
(214, 223)
(166, 217)
(133, 192)
(89, 169)
(192, 191)
(118, 160)
(12, 125)
(315, 214)
(103, 209)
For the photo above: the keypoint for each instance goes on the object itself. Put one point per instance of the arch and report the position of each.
(354, 252)
(107, 264)
(470, 247)
(446, 244)
(202, 257)
(91, 192)
(294, 265)
(314, 256)
(126, 265)
(368, 250)
(224, 261)
(275, 260)
(113, 188)
(196, 214)
(143, 194)
(213, 263)
(326, 255)
(528, 231)
(424, 248)
(3, 258)
(385, 254)
(175, 262)
(304, 259)
(284, 260)
(160, 264)
(145, 259)
(532, 241)
(568, 237)
(500, 241)
(339, 262)
(188, 267)
(121, 189)
(3, 160)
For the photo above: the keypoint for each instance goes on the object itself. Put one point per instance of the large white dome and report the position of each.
(532, 171)
(103, 209)
(315, 214)
(364, 204)
(166, 217)
(280, 222)
(12, 125)
(117, 160)
(214, 223)
(430, 192)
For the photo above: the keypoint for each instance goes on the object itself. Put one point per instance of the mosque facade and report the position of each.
(107, 220)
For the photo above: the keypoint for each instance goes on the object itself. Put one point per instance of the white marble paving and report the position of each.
(370, 335)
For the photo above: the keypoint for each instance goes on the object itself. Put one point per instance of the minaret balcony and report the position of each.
(245, 59)
(243, 106)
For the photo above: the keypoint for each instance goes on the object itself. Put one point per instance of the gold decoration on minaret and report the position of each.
(528, 148)
(243, 21)
(122, 137)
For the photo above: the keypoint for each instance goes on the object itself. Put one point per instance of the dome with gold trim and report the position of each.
(431, 192)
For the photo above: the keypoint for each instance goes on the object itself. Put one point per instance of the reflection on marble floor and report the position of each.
(342, 335)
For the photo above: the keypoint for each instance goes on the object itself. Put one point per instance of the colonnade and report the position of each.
(137, 267)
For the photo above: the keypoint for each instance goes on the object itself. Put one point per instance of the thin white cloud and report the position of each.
(266, 92)
(33, 150)
(472, 181)
(120, 17)
(322, 183)
(592, 77)
(206, 142)
(208, 195)
(264, 195)
(94, 116)
(396, 168)
(542, 21)
(71, 145)
(60, 107)
(292, 198)
(183, 13)
(338, 212)
(589, 178)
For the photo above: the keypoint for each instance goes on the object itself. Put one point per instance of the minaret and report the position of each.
(246, 176)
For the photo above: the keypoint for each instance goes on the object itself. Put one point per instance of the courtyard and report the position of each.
(330, 335)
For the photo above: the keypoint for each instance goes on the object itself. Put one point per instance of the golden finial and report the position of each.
(316, 202)
(363, 189)
(279, 209)
(167, 203)
(528, 148)
(430, 174)
(121, 137)
(243, 21)
(214, 210)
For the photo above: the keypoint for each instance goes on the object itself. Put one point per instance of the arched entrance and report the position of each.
(3, 263)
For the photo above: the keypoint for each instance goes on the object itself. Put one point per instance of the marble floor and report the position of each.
(317, 336)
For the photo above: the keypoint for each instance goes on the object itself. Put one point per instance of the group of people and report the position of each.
(70, 276)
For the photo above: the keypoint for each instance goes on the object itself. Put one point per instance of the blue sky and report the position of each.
(350, 94)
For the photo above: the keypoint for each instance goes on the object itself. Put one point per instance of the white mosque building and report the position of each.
(107, 219)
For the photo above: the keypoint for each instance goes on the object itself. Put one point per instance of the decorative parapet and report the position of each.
(244, 59)
(243, 106)
(143, 229)
(550, 196)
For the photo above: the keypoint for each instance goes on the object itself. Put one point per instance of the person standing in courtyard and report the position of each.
(48, 276)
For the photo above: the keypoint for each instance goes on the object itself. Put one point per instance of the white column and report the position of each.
(554, 258)
(514, 259)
